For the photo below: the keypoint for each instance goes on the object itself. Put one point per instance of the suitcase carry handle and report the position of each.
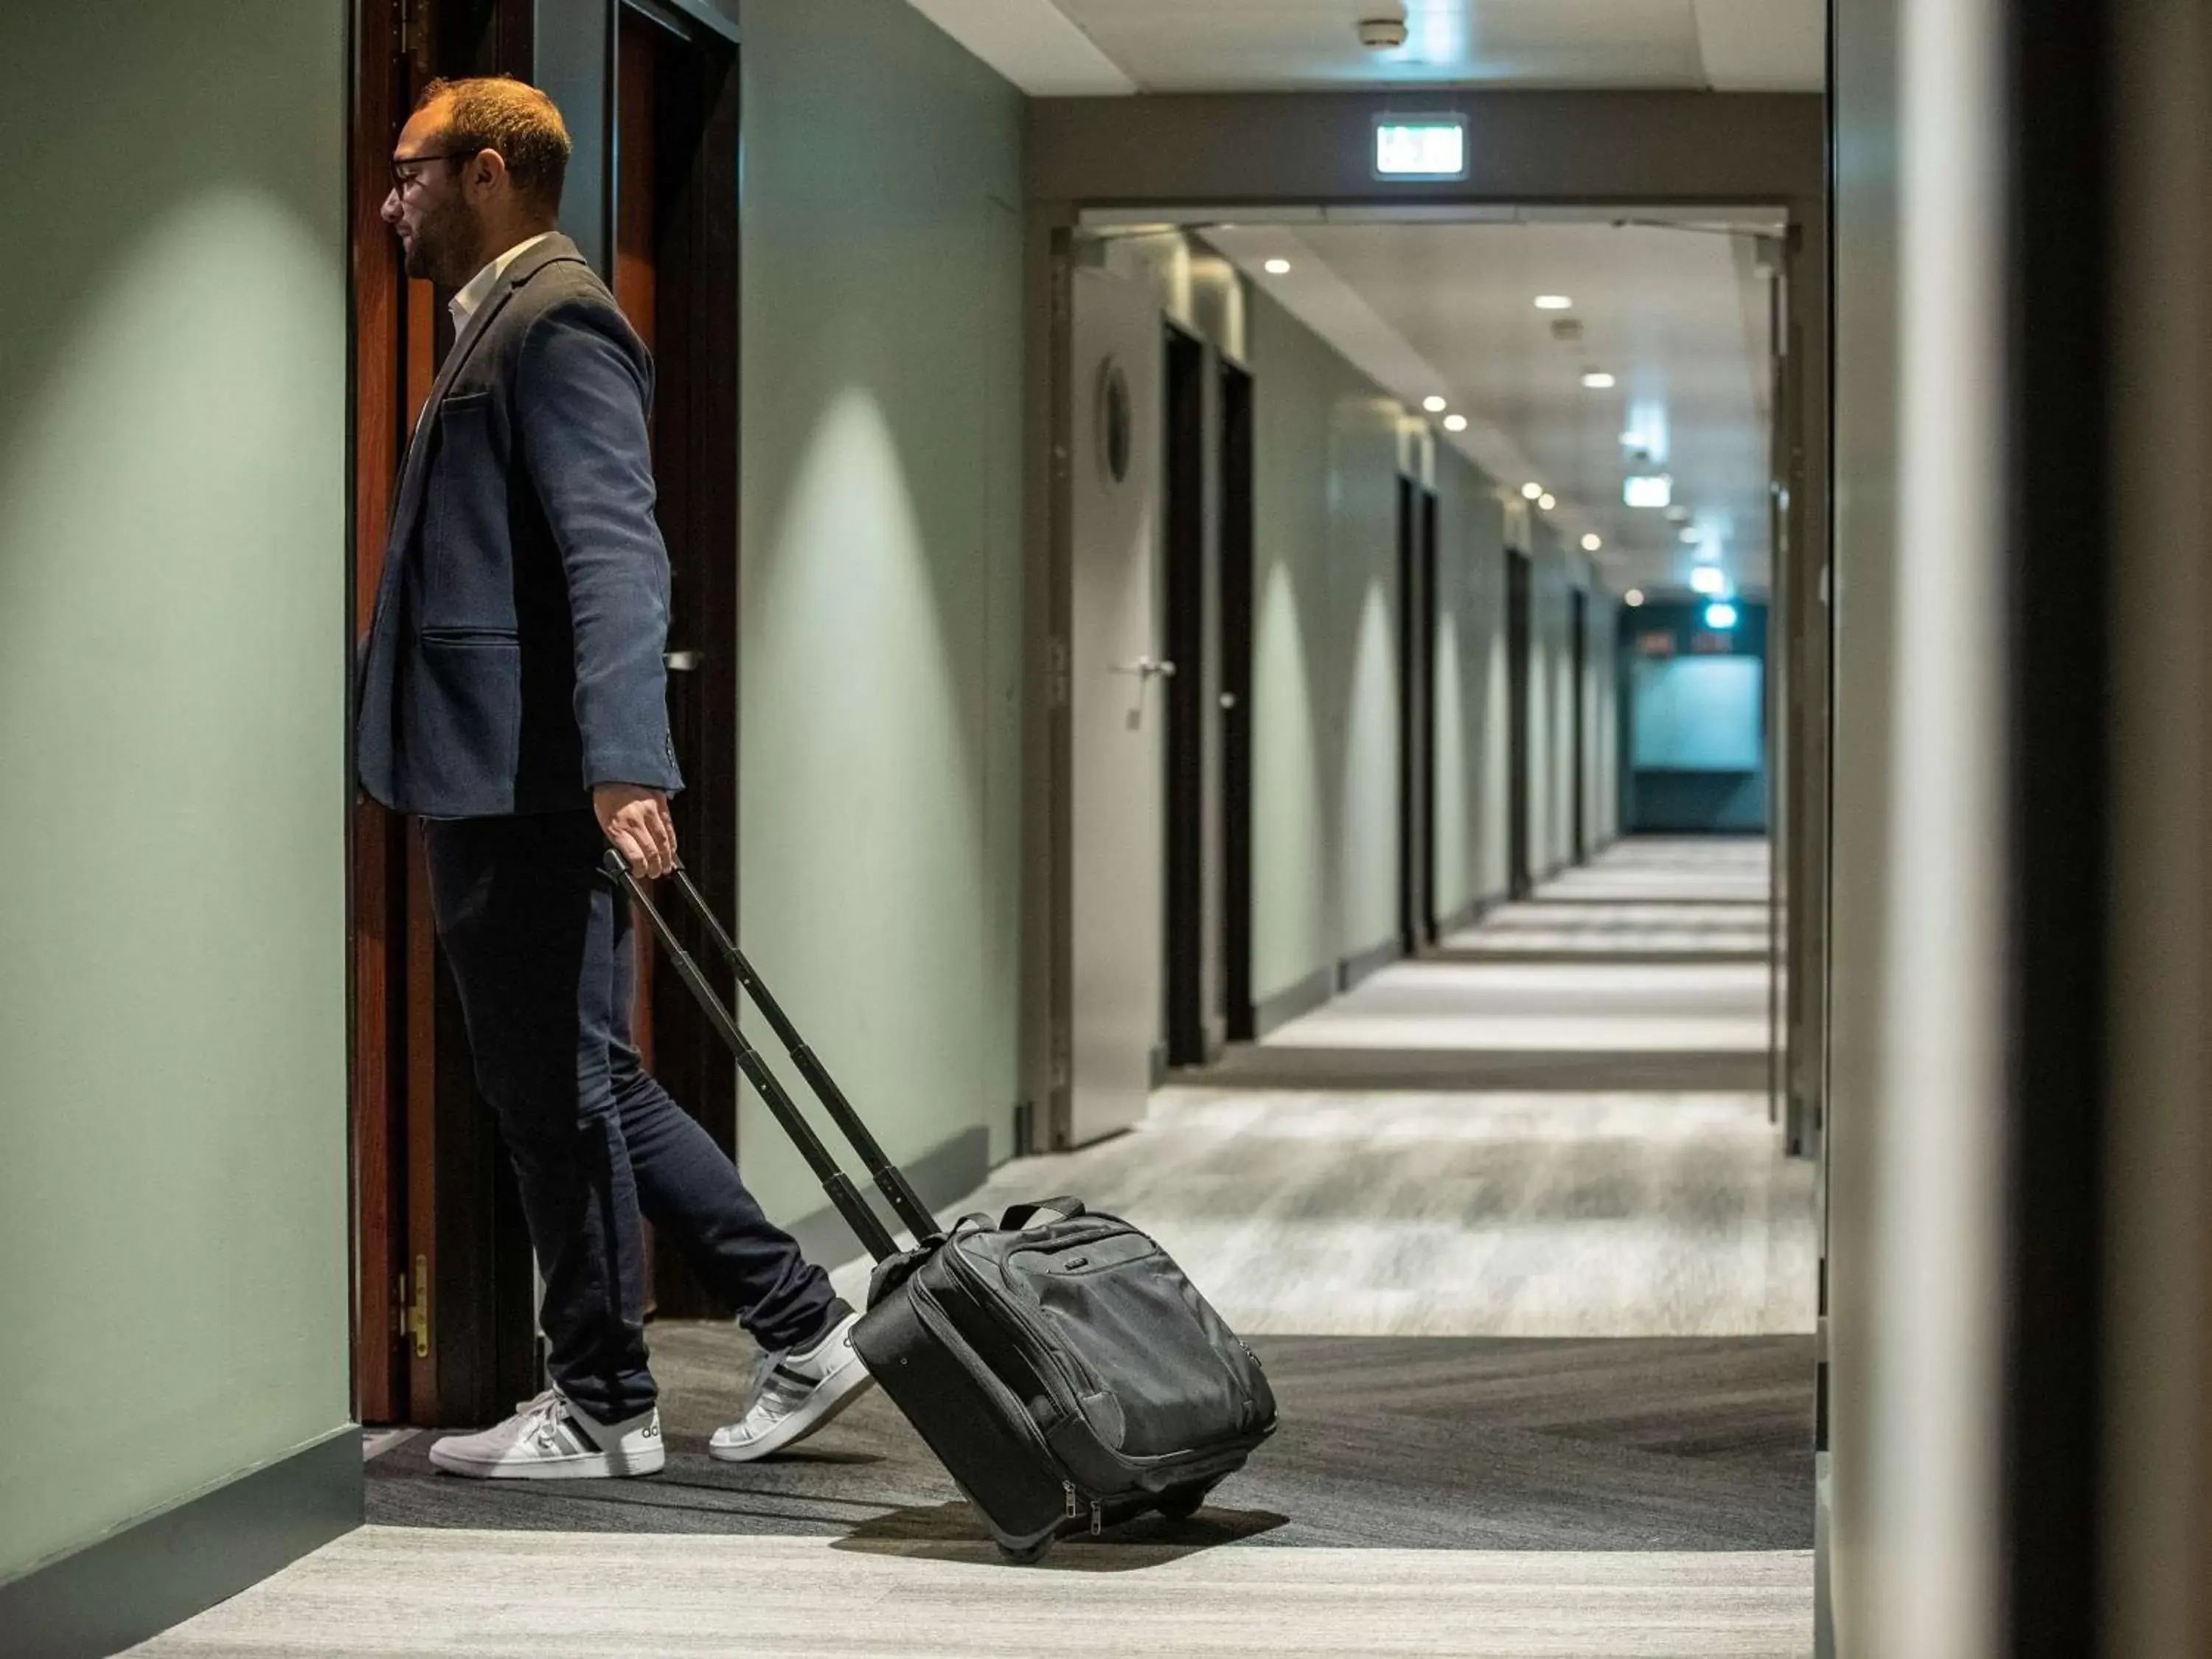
(874, 1236)
(1019, 1216)
(890, 1179)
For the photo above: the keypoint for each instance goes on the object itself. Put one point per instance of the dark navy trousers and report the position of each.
(541, 947)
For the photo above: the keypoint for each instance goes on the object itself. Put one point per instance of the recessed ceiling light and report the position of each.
(1633, 597)
(1277, 267)
(1547, 501)
(1708, 579)
(1531, 491)
(1722, 616)
(1454, 422)
(1434, 405)
(1593, 542)
(1553, 302)
(1598, 380)
(1647, 489)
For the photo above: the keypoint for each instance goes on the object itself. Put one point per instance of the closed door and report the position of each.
(1117, 706)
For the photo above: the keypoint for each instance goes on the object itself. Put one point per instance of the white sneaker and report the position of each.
(795, 1394)
(549, 1439)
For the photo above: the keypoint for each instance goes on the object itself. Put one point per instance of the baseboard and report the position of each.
(943, 1175)
(1365, 965)
(1468, 913)
(1272, 1013)
(157, 1571)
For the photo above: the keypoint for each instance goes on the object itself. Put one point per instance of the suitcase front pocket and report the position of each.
(1173, 1377)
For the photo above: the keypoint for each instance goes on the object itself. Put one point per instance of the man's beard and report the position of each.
(444, 248)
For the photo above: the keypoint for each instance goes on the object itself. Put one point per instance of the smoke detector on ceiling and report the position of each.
(1382, 33)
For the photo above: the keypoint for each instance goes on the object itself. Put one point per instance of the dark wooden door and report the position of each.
(1417, 529)
(1235, 551)
(1190, 944)
(1517, 620)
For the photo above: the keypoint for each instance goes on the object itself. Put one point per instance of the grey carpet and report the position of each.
(1362, 1071)
(1424, 1443)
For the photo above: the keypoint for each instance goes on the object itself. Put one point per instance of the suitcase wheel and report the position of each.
(1025, 1555)
(1183, 1502)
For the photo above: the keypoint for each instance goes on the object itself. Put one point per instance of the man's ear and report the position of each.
(487, 169)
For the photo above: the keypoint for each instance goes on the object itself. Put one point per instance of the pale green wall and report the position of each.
(174, 653)
(1325, 713)
(1469, 817)
(881, 593)
(1324, 672)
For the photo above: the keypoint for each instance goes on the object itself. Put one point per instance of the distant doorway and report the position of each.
(1417, 636)
(1235, 551)
(1517, 622)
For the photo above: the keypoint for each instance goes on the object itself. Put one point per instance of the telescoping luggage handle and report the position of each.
(905, 1202)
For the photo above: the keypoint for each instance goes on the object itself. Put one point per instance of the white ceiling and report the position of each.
(1678, 314)
(1106, 47)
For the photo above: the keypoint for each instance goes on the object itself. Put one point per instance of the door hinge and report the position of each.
(414, 1315)
(1056, 670)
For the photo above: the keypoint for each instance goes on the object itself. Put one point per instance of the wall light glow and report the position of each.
(1709, 579)
(1721, 615)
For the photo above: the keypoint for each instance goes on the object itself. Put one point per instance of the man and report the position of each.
(512, 695)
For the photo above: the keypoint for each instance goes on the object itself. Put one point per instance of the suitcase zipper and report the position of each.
(1075, 1509)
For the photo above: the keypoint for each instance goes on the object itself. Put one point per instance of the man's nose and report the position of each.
(389, 211)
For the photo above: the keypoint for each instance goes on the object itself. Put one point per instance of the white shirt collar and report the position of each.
(478, 288)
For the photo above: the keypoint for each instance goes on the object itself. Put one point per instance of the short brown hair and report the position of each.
(497, 112)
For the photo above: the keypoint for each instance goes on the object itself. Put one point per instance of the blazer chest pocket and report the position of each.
(468, 562)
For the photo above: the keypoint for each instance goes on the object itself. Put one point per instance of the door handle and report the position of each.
(1144, 668)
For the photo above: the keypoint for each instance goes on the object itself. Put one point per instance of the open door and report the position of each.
(672, 213)
(444, 1304)
(1117, 700)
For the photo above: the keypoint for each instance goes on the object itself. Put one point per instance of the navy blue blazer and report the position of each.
(515, 657)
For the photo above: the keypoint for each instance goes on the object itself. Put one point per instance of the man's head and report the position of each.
(478, 169)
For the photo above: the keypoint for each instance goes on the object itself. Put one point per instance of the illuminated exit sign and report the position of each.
(1421, 147)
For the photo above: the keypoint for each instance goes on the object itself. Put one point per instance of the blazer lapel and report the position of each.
(407, 500)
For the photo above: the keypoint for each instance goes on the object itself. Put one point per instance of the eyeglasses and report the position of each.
(403, 181)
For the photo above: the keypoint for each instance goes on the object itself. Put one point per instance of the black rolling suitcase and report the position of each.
(1057, 1361)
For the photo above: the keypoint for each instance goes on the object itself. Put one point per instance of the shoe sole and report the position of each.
(590, 1466)
(803, 1422)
